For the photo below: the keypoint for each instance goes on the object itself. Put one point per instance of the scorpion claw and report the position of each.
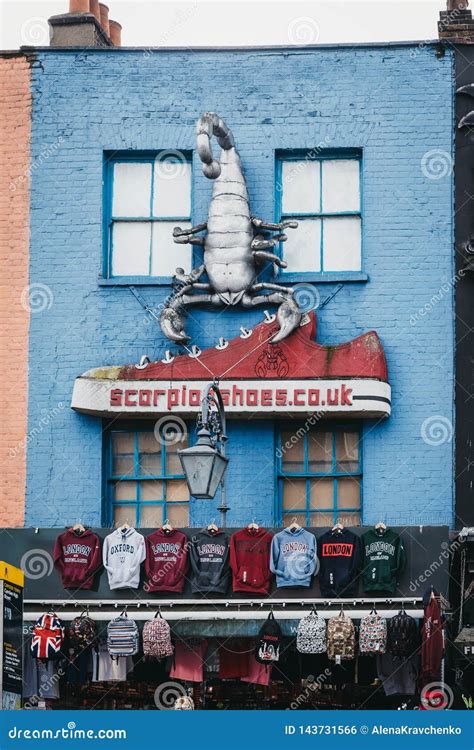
(289, 317)
(172, 326)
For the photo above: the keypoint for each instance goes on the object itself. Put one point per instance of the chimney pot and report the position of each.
(94, 9)
(79, 6)
(115, 33)
(104, 18)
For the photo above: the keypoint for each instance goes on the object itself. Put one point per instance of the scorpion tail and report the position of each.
(289, 317)
(208, 125)
(172, 326)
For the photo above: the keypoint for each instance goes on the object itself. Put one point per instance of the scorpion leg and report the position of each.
(262, 255)
(170, 318)
(288, 315)
(178, 232)
(272, 226)
(189, 279)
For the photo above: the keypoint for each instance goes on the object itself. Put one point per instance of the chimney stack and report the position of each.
(86, 25)
(456, 24)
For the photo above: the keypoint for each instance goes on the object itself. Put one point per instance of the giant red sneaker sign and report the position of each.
(256, 378)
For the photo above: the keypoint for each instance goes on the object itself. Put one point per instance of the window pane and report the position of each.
(173, 464)
(151, 516)
(131, 189)
(176, 490)
(149, 451)
(294, 494)
(292, 449)
(178, 515)
(151, 490)
(299, 518)
(125, 514)
(347, 451)
(341, 190)
(166, 255)
(303, 247)
(123, 453)
(125, 491)
(172, 187)
(321, 519)
(321, 494)
(300, 186)
(131, 248)
(348, 493)
(320, 451)
(342, 244)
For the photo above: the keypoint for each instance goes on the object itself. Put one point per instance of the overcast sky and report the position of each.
(227, 22)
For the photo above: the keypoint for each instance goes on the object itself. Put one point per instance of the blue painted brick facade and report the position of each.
(393, 102)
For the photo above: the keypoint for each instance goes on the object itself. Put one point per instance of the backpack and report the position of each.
(184, 703)
(269, 640)
(373, 634)
(402, 635)
(341, 638)
(157, 638)
(83, 633)
(311, 634)
(48, 637)
(122, 637)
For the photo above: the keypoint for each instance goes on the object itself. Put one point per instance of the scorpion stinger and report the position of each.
(235, 250)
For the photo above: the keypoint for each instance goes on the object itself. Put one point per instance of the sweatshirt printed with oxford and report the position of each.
(166, 561)
(293, 557)
(123, 553)
(77, 558)
(209, 558)
(250, 560)
(383, 559)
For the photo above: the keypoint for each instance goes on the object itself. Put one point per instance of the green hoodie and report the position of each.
(383, 559)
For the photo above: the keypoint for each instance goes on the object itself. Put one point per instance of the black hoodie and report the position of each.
(339, 555)
(209, 557)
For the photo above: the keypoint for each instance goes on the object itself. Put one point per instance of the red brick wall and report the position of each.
(15, 133)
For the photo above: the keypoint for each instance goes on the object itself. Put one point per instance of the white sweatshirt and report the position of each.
(123, 553)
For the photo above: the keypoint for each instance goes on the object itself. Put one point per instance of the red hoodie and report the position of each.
(166, 561)
(432, 646)
(77, 558)
(250, 560)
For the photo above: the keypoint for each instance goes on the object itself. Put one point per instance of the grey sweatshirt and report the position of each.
(123, 553)
(293, 557)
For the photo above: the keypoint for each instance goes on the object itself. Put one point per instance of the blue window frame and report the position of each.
(145, 482)
(323, 192)
(319, 474)
(146, 194)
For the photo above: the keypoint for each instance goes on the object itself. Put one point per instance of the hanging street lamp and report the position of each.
(204, 463)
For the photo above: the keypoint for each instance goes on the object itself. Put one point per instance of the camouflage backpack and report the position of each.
(157, 638)
(341, 638)
(373, 634)
(83, 634)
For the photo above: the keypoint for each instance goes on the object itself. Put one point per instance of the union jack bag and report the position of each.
(48, 637)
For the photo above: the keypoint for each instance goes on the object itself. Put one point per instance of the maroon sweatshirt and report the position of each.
(166, 561)
(77, 558)
(432, 646)
(250, 560)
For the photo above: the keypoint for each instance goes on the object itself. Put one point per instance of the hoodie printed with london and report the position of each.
(166, 561)
(383, 560)
(339, 556)
(209, 558)
(77, 558)
(123, 553)
(293, 558)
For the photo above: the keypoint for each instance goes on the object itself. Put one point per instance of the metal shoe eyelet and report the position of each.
(223, 344)
(144, 362)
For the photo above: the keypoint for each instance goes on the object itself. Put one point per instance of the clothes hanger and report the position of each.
(78, 528)
(294, 526)
(167, 527)
(253, 525)
(213, 528)
(124, 527)
(337, 528)
(380, 526)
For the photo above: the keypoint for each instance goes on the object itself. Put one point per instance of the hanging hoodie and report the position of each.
(209, 557)
(293, 557)
(123, 553)
(383, 559)
(250, 560)
(166, 561)
(339, 556)
(432, 645)
(77, 558)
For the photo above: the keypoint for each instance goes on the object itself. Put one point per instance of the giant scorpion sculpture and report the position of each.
(235, 251)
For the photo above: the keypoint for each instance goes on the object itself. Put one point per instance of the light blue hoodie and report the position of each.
(293, 557)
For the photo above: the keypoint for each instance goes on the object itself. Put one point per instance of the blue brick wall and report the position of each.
(393, 102)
